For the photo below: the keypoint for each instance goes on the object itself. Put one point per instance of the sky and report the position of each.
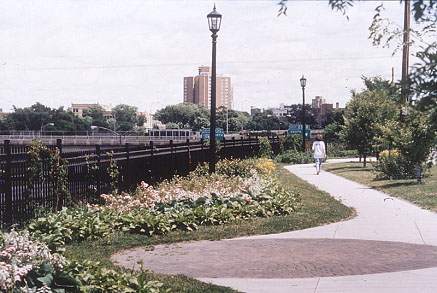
(136, 52)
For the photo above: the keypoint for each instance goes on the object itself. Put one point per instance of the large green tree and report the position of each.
(38, 115)
(234, 119)
(125, 117)
(295, 115)
(265, 121)
(96, 114)
(364, 112)
(186, 115)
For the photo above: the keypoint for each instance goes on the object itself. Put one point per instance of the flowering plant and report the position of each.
(250, 181)
(19, 256)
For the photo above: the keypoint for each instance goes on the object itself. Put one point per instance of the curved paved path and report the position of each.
(282, 258)
(391, 246)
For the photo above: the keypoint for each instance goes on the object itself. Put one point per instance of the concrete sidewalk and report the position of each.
(380, 217)
(391, 246)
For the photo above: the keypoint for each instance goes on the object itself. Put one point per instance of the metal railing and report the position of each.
(88, 176)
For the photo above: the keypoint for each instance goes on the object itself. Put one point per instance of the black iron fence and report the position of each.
(88, 176)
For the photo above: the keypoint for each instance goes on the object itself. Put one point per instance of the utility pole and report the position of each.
(405, 60)
(392, 75)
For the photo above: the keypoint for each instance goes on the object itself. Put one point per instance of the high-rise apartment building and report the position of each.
(318, 102)
(197, 89)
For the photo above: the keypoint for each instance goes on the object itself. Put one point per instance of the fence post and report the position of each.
(189, 153)
(59, 145)
(127, 173)
(99, 173)
(151, 160)
(8, 183)
(201, 150)
(241, 151)
(223, 151)
(171, 155)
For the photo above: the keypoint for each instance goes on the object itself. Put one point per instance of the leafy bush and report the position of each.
(182, 203)
(236, 167)
(183, 214)
(265, 166)
(265, 149)
(342, 153)
(295, 157)
(94, 277)
(293, 142)
(26, 264)
(392, 165)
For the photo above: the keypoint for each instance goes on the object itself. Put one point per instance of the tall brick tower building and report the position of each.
(197, 89)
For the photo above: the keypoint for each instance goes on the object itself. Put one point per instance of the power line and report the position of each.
(277, 61)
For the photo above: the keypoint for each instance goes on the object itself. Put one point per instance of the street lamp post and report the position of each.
(48, 124)
(214, 21)
(303, 82)
(101, 127)
(227, 120)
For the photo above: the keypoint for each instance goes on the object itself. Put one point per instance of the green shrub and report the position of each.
(94, 277)
(292, 142)
(69, 225)
(234, 167)
(295, 157)
(392, 165)
(342, 153)
(265, 149)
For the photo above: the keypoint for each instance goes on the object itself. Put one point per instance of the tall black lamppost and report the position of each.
(214, 21)
(303, 82)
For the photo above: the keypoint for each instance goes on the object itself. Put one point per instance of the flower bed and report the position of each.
(182, 203)
(238, 190)
(27, 264)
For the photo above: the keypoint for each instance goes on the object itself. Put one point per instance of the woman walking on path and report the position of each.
(319, 152)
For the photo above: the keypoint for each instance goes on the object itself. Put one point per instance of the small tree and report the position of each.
(363, 114)
(411, 142)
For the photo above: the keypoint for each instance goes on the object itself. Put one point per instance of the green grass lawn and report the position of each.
(316, 208)
(424, 195)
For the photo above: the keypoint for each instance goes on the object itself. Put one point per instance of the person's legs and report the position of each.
(318, 165)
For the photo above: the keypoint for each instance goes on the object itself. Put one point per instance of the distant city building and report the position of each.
(320, 108)
(2, 114)
(78, 109)
(254, 110)
(317, 102)
(197, 89)
(151, 123)
(282, 111)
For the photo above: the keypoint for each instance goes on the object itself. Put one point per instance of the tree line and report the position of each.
(39, 116)
(196, 117)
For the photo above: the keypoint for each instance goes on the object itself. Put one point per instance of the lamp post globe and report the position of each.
(214, 22)
(303, 82)
(45, 125)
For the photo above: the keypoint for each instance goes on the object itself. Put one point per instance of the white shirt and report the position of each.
(319, 149)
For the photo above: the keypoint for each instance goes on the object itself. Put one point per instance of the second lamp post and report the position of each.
(214, 21)
(303, 82)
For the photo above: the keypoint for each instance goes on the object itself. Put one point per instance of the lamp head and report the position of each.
(303, 81)
(214, 20)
